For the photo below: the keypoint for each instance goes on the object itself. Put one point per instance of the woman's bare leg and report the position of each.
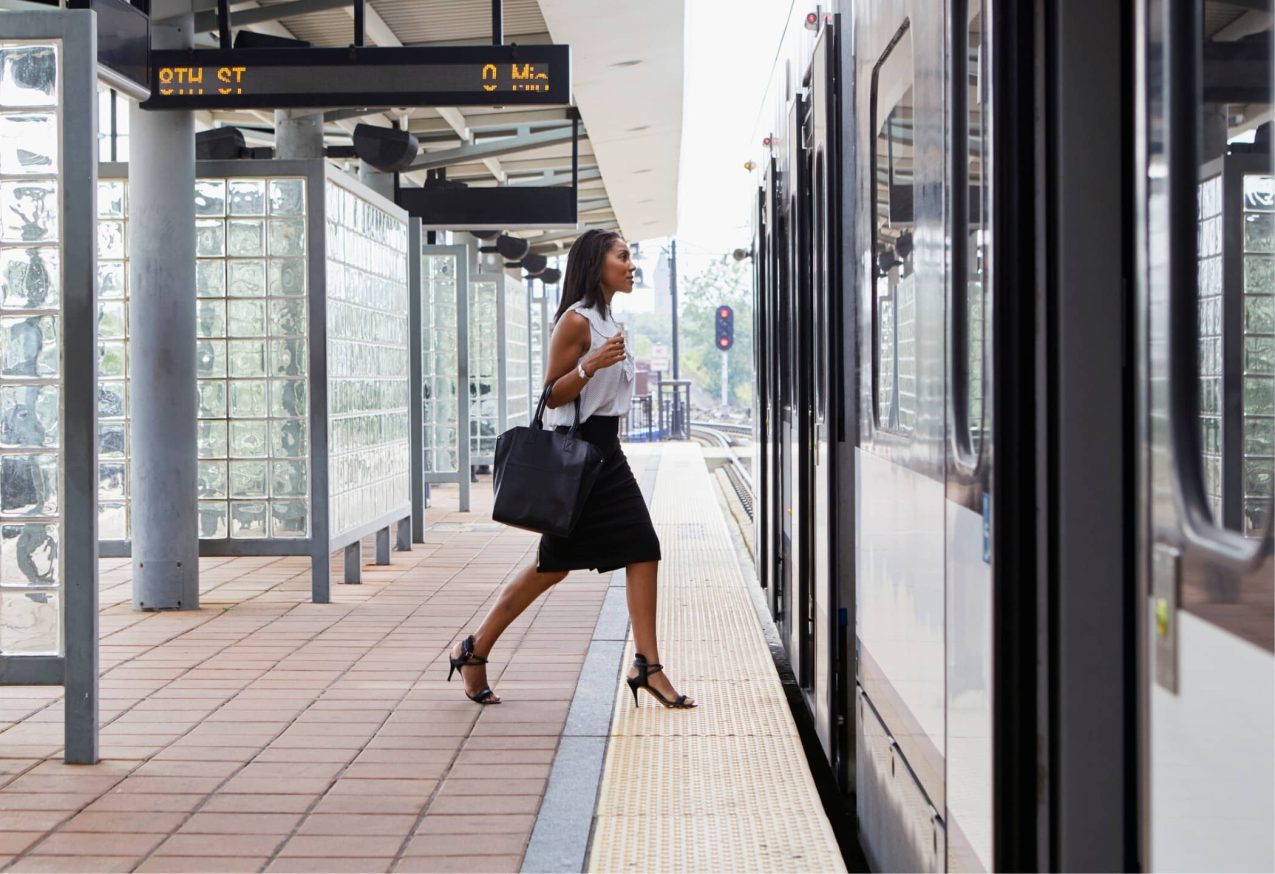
(516, 597)
(640, 587)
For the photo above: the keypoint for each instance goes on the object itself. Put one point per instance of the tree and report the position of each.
(724, 281)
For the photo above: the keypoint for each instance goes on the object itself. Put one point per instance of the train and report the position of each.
(1014, 278)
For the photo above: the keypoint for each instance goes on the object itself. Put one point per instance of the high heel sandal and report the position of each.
(642, 681)
(467, 657)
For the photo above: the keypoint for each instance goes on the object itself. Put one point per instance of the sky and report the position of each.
(730, 51)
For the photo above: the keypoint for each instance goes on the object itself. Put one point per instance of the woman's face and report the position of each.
(618, 269)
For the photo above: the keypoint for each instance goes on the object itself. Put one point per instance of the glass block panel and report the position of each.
(30, 278)
(112, 480)
(248, 479)
(247, 358)
(112, 400)
(247, 399)
(248, 519)
(287, 276)
(28, 417)
(29, 554)
(210, 238)
(247, 196)
(110, 441)
(1259, 232)
(30, 623)
(112, 360)
(210, 358)
(29, 144)
(211, 439)
(288, 358)
(112, 521)
(288, 479)
(28, 211)
(210, 316)
(110, 239)
(112, 320)
(111, 195)
(28, 76)
(246, 318)
(213, 482)
(288, 397)
(210, 277)
(287, 197)
(246, 278)
(287, 237)
(368, 366)
(245, 238)
(212, 398)
(29, 346)
(247, 439)
(288, 438)
(213, 520)
(288, 318)
(210, 197)
(288, 519)
(29, 485)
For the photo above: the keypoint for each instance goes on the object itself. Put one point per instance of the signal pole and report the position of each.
(725, 376)
(672, 290)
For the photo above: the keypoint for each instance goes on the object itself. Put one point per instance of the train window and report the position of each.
(894, 292)
(978, 228)
(1235, 273)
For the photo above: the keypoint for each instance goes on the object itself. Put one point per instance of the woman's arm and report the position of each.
(570, 341)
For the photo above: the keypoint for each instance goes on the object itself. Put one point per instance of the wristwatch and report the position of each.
(583, 375)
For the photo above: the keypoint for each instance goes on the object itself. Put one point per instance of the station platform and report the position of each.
(266, 733)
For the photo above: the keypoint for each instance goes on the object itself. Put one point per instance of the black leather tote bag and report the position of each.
(542, 478)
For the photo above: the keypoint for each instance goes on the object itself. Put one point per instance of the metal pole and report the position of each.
(162, 349)
(497, 22)
(358, 22)
(725, 375)
(672, 290)
(223, 23)
(298, 134)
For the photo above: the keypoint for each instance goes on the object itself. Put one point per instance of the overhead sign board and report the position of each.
(360, 76)
(123, 44)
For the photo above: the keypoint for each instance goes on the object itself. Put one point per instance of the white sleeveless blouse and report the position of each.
(610, 390)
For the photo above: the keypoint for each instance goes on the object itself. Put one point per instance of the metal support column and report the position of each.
(162, 350)
(298, 133)
(403, 537)
(383, 546)
(354, 562)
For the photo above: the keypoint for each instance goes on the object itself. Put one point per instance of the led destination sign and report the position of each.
(391, 77)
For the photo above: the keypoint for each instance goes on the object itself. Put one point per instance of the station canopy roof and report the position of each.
(627, 73)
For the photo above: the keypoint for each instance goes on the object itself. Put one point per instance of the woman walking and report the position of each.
(588, 360)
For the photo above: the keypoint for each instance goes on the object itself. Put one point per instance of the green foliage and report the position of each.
(724, 281)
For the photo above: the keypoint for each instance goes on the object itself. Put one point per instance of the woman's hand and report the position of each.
(609, 353)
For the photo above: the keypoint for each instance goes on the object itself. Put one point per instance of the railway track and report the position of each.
(719, 435)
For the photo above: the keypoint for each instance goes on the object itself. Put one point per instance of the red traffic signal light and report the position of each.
(725, 327)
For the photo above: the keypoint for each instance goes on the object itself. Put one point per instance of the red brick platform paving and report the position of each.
(266, 733)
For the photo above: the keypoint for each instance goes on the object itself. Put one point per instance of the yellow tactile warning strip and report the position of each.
(724, 787)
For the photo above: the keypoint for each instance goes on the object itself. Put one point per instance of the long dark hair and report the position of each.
(583, 279)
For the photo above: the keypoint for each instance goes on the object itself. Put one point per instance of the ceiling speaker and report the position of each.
(386, 149)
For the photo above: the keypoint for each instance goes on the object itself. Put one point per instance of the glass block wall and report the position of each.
(1259, 351)
(251, 325)
(517, 354)
(369, 424)
(484, 409)
(31, 364)
(112, 360)
(439, 371)
(1211, 264)
(538, 342)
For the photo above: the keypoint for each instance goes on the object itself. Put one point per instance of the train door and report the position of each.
(761, 399)
(824, 161)
(1206, 408)
(796, 365)
(777, 345)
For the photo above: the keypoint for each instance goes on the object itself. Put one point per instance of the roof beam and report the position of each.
(559, 177)
(456, 121)
(374, 26)
(205, 21)
(493, 148)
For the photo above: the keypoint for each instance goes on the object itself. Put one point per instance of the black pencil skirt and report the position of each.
(615, 527)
